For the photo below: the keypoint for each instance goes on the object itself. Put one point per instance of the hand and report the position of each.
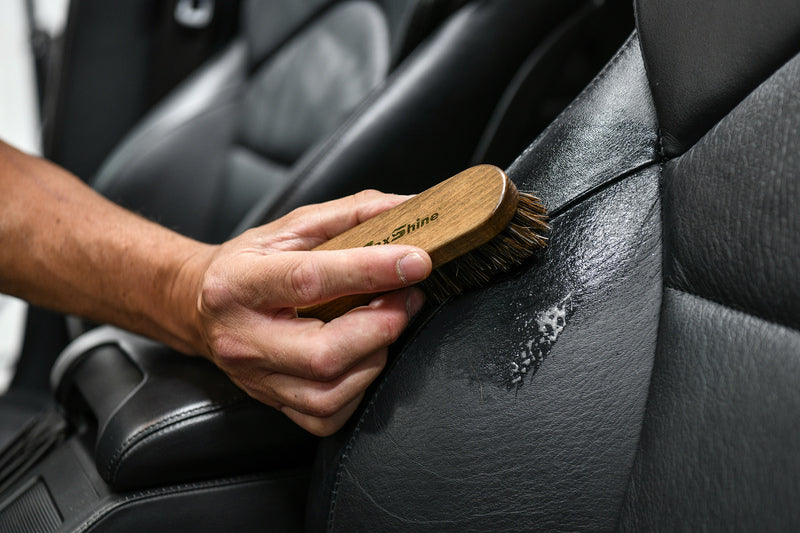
(314, 372)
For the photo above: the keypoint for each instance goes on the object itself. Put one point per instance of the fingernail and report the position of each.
(411, 268)
(415, 301)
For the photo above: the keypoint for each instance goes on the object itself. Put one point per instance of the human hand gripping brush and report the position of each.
(474, 226)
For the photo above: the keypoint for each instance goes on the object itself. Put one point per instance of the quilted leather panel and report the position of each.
(307, 89)
(731, 206)
(719, 447)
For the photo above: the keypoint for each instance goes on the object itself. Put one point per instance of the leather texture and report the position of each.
(719, 444)
(703, 58)
(165, 419)
(638, 374)
(318, 99)
(641, 373)
(740, 181)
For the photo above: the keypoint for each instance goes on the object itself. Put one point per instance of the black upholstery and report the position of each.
(322, 98)
(161, 418)
(641, 373)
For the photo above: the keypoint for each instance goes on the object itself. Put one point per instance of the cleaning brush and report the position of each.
(474, 226)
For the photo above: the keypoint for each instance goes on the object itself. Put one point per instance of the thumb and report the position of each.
(307, 278)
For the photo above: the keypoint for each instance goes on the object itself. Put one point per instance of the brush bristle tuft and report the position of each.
(518, 241)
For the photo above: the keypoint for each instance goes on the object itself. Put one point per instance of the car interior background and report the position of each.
(639, 374)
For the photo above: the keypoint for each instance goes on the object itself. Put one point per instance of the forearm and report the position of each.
(67, 248)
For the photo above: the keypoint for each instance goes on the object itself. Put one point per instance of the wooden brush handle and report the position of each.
(447, 220)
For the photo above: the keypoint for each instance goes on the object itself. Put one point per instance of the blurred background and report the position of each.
(76, 76)
(29, 29)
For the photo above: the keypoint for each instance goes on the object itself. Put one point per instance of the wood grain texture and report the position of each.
(447, 220)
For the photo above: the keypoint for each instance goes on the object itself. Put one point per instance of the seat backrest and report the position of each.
(322, 98)
(641, 372)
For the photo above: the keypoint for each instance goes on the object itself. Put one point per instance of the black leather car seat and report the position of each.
(642, 372)
(317, 99)
(322, 98)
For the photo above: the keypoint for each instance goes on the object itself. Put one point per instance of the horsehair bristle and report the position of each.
(518, 241)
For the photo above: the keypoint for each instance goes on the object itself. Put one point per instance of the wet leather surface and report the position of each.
(531, 390)
(518, 407)
(608, 131)
(460, 415)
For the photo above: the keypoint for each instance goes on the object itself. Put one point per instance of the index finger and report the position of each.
(315, 224)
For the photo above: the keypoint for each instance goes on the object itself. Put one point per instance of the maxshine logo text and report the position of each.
(405, 229)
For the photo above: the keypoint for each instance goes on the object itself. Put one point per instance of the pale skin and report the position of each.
(67, 248)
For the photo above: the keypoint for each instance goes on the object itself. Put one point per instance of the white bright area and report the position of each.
(19, 126)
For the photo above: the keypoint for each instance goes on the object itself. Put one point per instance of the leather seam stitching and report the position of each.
(367, 409)
(145, 494)
(113, 464)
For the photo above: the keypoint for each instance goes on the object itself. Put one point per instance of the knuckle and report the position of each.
(302, 214)
(366, 194)
(214, 292)
(325, 365)
(390, 328)
(323, 405)
(370, 275)
(324, 428)
(305, 281)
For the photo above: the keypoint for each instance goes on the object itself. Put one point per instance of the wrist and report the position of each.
(184, 294)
